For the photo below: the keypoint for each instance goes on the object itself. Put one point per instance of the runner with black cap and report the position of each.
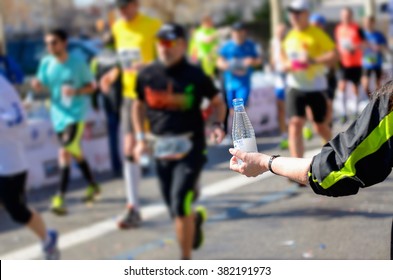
(172, 90)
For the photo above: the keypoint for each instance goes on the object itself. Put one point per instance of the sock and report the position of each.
(344, 97)
(132, 176)
(64, 179)
(85, 169)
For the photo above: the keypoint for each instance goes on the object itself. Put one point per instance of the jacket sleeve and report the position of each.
(357, 158)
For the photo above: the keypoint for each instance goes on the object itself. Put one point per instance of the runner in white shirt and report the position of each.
(13, 169)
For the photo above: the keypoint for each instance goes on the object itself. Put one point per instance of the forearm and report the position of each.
(222, 64)
(219, 107)
(257, 61)
(295, 169)
(328, 59)
(86, 90)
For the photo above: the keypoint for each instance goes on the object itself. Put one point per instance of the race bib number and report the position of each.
(346, 44)
(172, 147)
(371, 57)
(128, 57)
(237, 67)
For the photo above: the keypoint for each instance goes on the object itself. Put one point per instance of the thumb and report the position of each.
(237, 153)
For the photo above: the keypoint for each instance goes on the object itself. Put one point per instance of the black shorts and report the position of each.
(332, 86)
(178, 181)
(13, 197)
(297, 101)
(71, 138)
(377, 70)
(351, 74)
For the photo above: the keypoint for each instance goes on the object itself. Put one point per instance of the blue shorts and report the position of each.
(242, 92)
(280, 93)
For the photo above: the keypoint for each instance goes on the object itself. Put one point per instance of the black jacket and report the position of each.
(360, 157)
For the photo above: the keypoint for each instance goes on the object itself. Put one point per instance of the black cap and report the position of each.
(171, 31)
(122, 3)
(238, 26)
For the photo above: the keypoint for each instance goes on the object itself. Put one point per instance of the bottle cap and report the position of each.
(238, 102)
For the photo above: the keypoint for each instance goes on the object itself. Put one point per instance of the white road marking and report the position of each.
(100, 229)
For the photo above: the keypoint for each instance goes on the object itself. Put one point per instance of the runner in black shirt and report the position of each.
(172, 91)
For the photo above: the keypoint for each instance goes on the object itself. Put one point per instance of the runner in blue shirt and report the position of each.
(237, 58)
(70, 82)
(373, 54)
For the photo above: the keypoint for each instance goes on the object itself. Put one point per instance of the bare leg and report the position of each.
(281, 116)
(185, 228)
(324, 130)
(357, 94)
(366, 85)
(296, 145)
(37, 225)
(329, 113)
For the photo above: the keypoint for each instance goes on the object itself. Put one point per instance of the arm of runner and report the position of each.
(108, 79)
(255, 59)
(138, 119)
(330, 58)
(87, 89)
(40, 81)
(222, 63)
(36, 85)
(219, 107)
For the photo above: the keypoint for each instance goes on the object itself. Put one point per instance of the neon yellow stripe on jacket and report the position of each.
(373, 142)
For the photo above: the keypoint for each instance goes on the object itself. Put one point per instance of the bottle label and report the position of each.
(248, 145)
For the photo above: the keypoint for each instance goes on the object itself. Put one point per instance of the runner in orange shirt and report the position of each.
(350, 42)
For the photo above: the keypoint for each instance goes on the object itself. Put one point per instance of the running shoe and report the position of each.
(284, 144)
(200, 219)
(307, 133)
(132, 219)
(50, 250)
(92, 192)
(58, 206)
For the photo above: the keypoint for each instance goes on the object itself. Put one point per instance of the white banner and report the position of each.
(205, 270)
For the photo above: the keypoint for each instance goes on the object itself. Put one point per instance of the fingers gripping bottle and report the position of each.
(243, 134)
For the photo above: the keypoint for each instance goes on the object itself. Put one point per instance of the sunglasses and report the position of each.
(51, 43)
(295, 12)
(167, 43)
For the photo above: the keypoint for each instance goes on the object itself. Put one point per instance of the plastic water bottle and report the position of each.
(243, 134)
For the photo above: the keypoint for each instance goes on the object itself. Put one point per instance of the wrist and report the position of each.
(218, 125)
(140, 137)
(270, 163)
(264, 163)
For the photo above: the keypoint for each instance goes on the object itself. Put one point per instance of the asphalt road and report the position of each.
(263, 218)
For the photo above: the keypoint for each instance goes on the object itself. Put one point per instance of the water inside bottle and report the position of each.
(243, 134)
